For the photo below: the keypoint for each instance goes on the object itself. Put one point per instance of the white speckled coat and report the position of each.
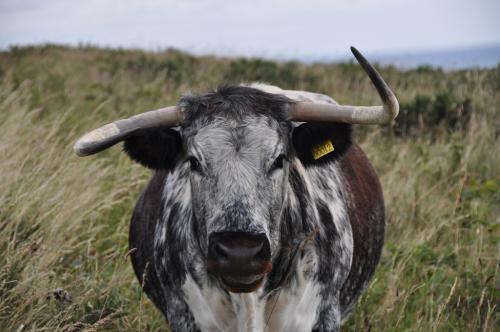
(324, 218)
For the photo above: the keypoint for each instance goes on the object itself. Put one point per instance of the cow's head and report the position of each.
(236, 144)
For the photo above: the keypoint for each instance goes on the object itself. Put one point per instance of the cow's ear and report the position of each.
(318, 143)
(157, 149)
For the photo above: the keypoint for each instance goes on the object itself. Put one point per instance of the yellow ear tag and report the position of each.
(322, 149)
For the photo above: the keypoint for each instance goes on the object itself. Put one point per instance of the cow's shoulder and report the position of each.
(145, 216)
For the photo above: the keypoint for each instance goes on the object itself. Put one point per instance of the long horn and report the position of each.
(320, 112)
(112, 133)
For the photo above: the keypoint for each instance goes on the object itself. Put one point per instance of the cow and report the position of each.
(262, 214)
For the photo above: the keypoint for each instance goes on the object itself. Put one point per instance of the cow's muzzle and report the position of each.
(239, 260)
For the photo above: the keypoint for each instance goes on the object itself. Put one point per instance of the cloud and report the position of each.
(259, 27)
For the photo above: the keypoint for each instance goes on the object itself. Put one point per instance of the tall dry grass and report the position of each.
(64, 220)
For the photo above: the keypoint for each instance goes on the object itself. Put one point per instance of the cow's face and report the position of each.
(238, 175)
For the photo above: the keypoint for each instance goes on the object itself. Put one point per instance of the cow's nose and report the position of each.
(238, 252)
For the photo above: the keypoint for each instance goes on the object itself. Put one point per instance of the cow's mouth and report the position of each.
(242, 284)
(240, 261)
(240, 281)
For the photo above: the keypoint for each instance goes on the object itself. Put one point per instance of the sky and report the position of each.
(269, 28)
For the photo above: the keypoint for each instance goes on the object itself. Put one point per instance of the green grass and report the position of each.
(64, 220)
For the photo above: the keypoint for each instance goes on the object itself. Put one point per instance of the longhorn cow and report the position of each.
(261, 214)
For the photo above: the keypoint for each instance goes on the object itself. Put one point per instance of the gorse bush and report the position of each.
(64, 262)
(426, 114)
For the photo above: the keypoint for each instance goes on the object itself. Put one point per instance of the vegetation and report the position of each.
(64, 220)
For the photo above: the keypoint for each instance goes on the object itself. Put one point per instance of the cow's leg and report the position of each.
(172, 306)
(179, 315)
(329, 316)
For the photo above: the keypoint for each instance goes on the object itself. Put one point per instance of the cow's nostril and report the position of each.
(235, 251)
(239, 248)
(221, 250)
(254, 252)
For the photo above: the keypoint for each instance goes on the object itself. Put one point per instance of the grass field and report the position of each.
(64, 220)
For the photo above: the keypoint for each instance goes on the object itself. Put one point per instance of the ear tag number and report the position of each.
(322, 149)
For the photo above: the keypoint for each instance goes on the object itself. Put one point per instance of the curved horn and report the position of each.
(112, 133)
(320, 112)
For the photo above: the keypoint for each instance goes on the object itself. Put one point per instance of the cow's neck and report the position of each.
(297, 231)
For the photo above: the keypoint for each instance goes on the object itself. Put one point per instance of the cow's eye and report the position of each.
(194, 164)
(278, 163)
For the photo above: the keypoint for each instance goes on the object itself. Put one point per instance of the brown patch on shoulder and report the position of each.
(367, 217)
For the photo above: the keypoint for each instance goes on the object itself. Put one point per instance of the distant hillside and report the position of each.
(449, 59)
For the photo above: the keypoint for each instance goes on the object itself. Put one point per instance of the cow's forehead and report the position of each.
(254, 136)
